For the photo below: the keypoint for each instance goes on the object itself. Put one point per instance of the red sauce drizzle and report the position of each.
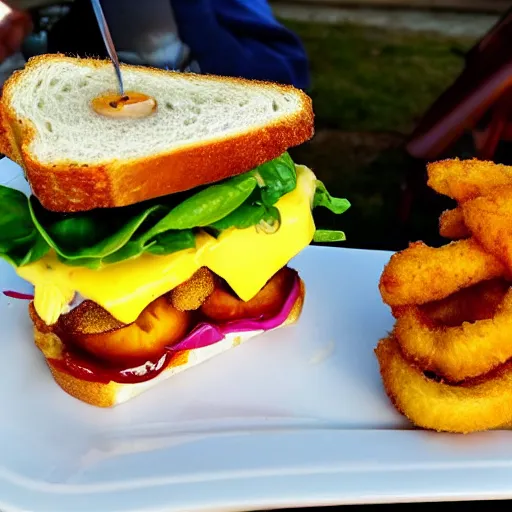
(83, 366)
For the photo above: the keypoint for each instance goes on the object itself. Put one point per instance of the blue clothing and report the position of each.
(241, 38)
(222, 37)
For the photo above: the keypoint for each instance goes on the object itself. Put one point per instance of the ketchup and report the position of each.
(83, 366)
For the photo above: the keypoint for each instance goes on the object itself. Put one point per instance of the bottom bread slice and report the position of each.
(113, 393)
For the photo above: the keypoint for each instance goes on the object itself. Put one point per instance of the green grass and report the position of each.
(369, 88)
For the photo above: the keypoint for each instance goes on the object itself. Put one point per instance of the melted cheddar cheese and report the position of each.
(245, 258)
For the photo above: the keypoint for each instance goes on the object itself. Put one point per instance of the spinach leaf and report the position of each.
(36, 251)
(335, 205)
(207, 206)
(20, 242)
(130, 250)
(327, 236)
(173, 241)
(276, 178)
(160, 226)
(164, 244)
(7, 245)
(245, 216)
(92, 263)
(83, 236)
(323, 198)
(15, 221)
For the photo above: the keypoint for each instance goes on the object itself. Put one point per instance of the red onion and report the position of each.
(205, 333)
(18, 295)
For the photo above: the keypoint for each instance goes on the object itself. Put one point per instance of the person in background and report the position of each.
(15, 26)
(222, 37)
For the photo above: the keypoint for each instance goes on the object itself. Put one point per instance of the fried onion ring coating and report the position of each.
(452, 226)
(463, 180)
(433, 405)
(459, 352)
(191, 295)
(421, 274)
(477, 302)
(489, 220)
(447, 365)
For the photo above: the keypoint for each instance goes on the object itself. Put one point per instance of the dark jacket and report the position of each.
(226, 37)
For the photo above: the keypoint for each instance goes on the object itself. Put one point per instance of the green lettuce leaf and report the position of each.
(20, 241)
(160, 226)
(245, 216)
(207, 206)
(323, 198)
(87, 235)
(328, 236)
(335, 205)
(276, 178)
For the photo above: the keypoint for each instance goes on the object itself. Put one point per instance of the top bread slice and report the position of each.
(205, 128)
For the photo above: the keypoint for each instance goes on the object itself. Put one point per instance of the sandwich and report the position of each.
(160, 222)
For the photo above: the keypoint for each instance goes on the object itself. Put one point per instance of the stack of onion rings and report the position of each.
(447, 364)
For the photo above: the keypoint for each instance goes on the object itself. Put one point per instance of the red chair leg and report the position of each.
(487, 140)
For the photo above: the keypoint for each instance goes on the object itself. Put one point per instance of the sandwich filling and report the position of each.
(246, 258)
(160, 278)
(88, 344)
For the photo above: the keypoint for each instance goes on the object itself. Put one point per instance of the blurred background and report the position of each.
(378, 68)
(395, 83)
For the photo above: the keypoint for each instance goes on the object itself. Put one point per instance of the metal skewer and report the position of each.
(109, 44)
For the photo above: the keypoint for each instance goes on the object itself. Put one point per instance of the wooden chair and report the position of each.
(478, 103)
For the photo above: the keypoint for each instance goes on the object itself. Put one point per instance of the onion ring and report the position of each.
(452, 226)
(488, 219)
(421, 274)
(190, 295)
(459, 352)
(463, 180)
(483, 405)
(477, 302)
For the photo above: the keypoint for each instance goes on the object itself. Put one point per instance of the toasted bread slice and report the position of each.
(205, 129)
(114, 393)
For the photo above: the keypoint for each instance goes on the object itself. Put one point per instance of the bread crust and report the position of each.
(66, 186)
(113, 393)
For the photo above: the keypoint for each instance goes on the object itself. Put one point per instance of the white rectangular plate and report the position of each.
(297, 417)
